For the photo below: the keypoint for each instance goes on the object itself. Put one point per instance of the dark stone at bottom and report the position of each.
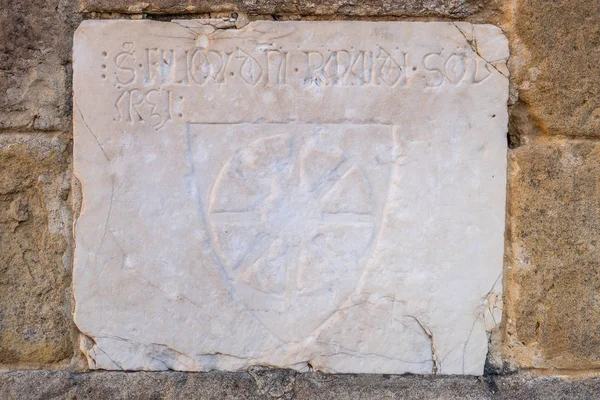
(259, 383)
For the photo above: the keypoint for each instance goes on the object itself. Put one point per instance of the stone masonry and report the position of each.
(548, 345)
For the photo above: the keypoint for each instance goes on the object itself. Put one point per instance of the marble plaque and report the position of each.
(307, 195)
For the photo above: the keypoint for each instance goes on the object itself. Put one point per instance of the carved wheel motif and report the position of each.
(290, 216)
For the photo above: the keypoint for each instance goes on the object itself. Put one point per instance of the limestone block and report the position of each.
(556, 52)
(450, 8)
(35, 230)
(308, 195)
(35, 53)
(553, 273)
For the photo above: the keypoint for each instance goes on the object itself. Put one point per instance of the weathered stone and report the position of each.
(35, 318)
(553, 275)
(284, 384)
(450, 8)
(35, 57)
(298, 194)
(556, 48)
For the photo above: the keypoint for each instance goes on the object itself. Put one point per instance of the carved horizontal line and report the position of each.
(348, 217)
(248, 217)
(242, 217)
(290, 122)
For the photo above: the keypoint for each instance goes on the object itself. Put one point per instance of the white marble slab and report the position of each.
(325, 195)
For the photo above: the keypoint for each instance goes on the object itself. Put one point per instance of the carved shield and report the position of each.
(293, 213)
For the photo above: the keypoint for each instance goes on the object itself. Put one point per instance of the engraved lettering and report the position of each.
(344, 63)
(223, 60)
(165, 65)
(150, 65)
(250, 70)
(330, 69)
(389, 70)
(362, 66)
(215, 63)
(180, 67)
(274, 67)
(315, 65)
(160, 107)
(199, 66)
(479, 70)
(455, 68)
(136, 106)
(122, 107)
(432, 62)
(124, 62)
(136, 98)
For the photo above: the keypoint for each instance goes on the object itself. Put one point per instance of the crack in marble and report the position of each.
(473, 44)
(437, 366)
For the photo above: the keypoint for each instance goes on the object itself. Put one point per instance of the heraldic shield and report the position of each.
(292, 213)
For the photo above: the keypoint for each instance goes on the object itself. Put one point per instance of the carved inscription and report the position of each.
(153, 106)
(275, 67)
(145, 77)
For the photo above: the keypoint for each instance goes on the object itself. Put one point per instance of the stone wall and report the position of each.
(551, 321)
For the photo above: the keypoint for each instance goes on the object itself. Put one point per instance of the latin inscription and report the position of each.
(144, 79)
(277, 67)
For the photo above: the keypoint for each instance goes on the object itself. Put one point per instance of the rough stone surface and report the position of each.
(35, 57)
(35, 232)
(450, 8)
(297, 194)
(284, 384)
(553, 275)
(556, 47)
